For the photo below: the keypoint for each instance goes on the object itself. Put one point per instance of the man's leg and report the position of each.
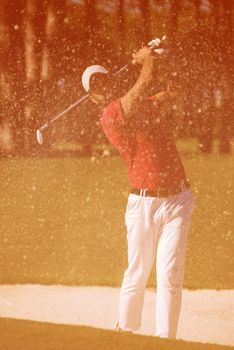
(171, 252)
(141, 257)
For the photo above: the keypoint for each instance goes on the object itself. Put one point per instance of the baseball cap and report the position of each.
(89, 72)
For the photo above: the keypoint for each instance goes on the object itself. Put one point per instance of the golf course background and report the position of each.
(62, 220)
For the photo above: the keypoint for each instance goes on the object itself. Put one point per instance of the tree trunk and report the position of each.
(90, 20)
(197, 4)
(215, 10)
(15, 65)
(120, 27)
(173, 18)
(39, 26)
(145, 11)
(37, 20)
(227, 50)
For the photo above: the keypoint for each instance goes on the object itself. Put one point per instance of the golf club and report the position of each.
(156, 45)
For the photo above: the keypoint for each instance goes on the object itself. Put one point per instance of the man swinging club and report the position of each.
(160, 201)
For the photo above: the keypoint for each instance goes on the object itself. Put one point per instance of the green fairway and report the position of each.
(62, 221)
(25, 335)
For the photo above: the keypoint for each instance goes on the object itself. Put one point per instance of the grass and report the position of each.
(27, 335)
(62, 220)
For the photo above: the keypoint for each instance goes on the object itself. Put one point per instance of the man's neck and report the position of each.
(97, 98)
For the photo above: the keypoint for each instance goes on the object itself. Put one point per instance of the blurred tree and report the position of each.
(227, 39)
(58, 42)
(60, 11)
(39, 21)
(197, 4)
(145, 12)
(215, 15)
(16, 68)
(94, 36)
(36, 36)
(48, 47)
(120, 27)
(227, 54)
(90, 29)
(173, 19)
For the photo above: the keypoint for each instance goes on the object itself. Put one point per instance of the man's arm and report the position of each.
(170, 95)
(166, 100)
(138, 92)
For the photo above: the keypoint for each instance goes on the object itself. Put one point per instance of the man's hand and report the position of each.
(141, 55)
(166, 96)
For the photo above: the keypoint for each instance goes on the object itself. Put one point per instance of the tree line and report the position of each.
(46, 44)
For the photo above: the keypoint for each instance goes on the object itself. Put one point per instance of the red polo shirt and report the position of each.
(146, 144)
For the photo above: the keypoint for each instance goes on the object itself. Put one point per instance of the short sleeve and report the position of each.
(114, 126)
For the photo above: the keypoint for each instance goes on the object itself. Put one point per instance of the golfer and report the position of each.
(160, 201)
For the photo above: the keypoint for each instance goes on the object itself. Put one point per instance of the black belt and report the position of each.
(161, 192)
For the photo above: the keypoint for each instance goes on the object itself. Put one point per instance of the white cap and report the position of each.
(89, 71)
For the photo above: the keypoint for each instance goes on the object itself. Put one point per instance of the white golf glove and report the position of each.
(156, 45)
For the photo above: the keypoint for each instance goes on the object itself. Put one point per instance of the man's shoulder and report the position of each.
(112, 119)
(112, 106)
(112, 111)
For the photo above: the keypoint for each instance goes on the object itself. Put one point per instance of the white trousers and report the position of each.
(157, 228)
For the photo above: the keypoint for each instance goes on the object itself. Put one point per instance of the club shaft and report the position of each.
(64, 112)
(121, 69)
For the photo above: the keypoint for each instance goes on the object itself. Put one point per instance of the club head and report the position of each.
(39, 137)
